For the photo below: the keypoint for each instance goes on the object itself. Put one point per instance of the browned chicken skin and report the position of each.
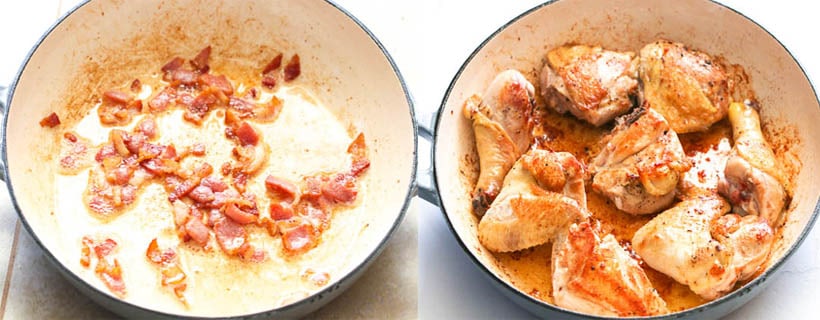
(543, 193)
(597, 276)
(752, 180)
(641, 164)
(502, 123)
(593, 84)
(687, 87)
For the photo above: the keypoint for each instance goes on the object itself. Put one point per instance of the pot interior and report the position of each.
(790, 108)
(107, 43)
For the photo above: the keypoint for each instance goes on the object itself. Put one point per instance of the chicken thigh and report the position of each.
(687, 87)
(542, 195)
(752, 181)
(641, 163)
(597, 276)
(593, 84)
(502, 123)
(698, 246)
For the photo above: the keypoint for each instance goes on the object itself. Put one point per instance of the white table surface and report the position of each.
(429, 40)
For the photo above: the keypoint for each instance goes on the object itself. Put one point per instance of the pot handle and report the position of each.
(425, 183)
(3, 100)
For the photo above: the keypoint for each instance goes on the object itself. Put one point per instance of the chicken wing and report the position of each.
(687, 87)
(502, 123)
(641, 164)
(593, 84)
(543, 193)
(597, 276)
(752, 180)
(698, 246)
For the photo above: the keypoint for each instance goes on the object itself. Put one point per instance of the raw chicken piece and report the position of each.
(593, 84)
(687, 87)
(752, 180)
(698, 246)
(542, 195)
(641, 164)
(597, 276)
(502, 122)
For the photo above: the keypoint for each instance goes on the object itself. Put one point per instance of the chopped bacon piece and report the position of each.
(280, 211)
(197, 231)
(52, 120)
(185, 99)
(282, 188)
(230, 235)
(221, 198)
(253, 93)
(106, 151)
(136, 86)
(242, 107)
(269, 81)
(293, 69)
(117, 138)
(200, 62)
(214, 184)
(182, 189)
(358, 150)
(238, 215)
(268, 112)
(273, 64)
(220, 83)
(247, 134)
(198, 149)
(340, 189)
(85, 258)
(173, 64)
(256, 255)
(161, 101)
(110, 273)
(202, 194)
(185, 77)
(116, 97)
(314, 213)
(134, 142)
(172, 274)
(317, 278)
(153, 253)
(181, 212)
(200, 106)
(299, 239)
(148, 127)
(115, 113)
(128, 194)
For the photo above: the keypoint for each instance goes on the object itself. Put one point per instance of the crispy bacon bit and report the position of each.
(198, 149)
(50, 121)
(136, 86)
(172, 65)
(293, 69)
(358, 150)
(242, 107)
(200, 62)
(247, 135)
(253, 93)
(230, 235)
(172, 274)
(85, 258)
(238, 215)
(214, 183)
(182, 76)
(197, 231)
(340, 189)
(220, 83)
(116, 97)
(181, 189)
(269, 81)
(268, 112)
(161, 101)
(200, 107)
(185, 99)
(202, 194)
(273, 64)
(283, 189)
(148, 127)
(108, 268)
(70, 137)
(280, 211)
(299, 239)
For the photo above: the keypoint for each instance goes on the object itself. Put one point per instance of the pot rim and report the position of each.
(525, 298)
(109, 301)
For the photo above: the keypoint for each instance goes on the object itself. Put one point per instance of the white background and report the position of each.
(429, 41)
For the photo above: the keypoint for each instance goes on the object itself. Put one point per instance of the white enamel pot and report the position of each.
(101, 43)
(782, 87)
